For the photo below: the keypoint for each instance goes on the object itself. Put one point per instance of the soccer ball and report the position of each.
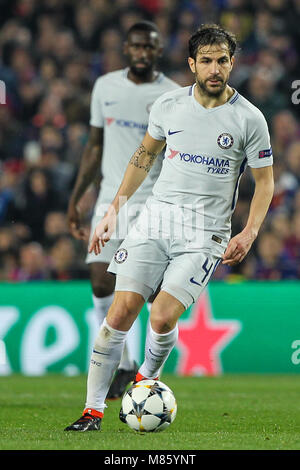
(148, 406)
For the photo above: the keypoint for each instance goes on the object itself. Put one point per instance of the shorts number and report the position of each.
(206, 269)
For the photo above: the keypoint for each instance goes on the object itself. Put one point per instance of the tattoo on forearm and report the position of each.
(143, 159)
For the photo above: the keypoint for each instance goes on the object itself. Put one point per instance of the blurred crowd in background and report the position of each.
(52, 51)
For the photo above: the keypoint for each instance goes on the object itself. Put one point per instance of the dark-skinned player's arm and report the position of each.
(88, 171)
(239, 245)
(137, 170)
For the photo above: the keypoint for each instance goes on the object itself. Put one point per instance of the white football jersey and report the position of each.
(207, 151)
(122, 108)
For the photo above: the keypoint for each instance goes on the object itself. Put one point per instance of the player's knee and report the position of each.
(100, 290)
(165, 311)
(162, 320)
(124, 310)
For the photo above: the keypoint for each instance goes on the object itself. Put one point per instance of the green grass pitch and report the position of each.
(230, 412)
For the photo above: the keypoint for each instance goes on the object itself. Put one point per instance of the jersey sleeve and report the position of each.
(258, 146)
(96, 114)
(155, 125)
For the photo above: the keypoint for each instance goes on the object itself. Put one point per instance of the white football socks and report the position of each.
(157, 349)
(105, 359)
(101, 306)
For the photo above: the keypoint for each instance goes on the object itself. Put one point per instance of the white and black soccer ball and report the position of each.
(148, 406)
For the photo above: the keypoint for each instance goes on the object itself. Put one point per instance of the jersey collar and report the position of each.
(158, 78)
(231, 101)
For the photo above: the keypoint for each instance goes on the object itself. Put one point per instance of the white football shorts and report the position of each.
(183, 271)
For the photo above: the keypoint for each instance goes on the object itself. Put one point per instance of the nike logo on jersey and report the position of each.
(173, 132)
(109, 103)
(192, 280)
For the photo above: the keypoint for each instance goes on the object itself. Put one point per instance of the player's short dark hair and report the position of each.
(209, 34)
(145, 26)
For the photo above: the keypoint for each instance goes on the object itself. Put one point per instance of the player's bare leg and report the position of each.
(103, 285)
(106, 356)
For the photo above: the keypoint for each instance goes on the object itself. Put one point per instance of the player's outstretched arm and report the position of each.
(88, 170)
(137, 170)
(239, 246)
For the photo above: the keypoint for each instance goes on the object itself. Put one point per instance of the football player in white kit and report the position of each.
(209, 132)
(120, 106)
